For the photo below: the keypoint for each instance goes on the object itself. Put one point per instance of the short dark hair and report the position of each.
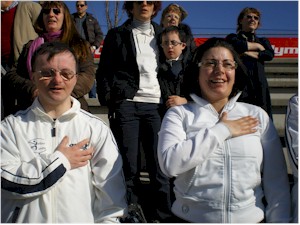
(181, 33)
(192, 72)
(128, 6)
(85, 2)
(52, 49)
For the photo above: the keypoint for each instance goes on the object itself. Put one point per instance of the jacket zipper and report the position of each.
(227, 186)
(52, 192)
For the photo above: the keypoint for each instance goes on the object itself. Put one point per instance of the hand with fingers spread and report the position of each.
(242, 126)
(75, 154)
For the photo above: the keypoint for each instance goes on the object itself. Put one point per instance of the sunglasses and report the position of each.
(252, 17)
(79, 6)
(56, 11)
(147, 2)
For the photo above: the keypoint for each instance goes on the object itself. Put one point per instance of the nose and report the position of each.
(57, 77)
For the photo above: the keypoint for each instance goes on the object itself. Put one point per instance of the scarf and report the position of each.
(46, 37)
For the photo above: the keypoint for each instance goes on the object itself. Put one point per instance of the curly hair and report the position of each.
(192, 73)
(128, 6)
(175, 8)
(70, 34)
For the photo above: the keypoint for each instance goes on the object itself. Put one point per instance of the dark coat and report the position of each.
(257, 90)
(118, 75)
(92, 30)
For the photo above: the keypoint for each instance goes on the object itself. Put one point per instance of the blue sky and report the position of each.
(218, 18)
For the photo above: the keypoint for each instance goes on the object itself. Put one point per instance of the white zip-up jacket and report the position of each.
(220, 179)
(37, 184)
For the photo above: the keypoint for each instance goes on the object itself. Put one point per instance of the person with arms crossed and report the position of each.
(59, 163)
(225, 155)
(254, 51)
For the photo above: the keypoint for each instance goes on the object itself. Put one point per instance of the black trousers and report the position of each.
(135, 124)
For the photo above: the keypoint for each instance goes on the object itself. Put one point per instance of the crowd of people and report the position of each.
(201, 115)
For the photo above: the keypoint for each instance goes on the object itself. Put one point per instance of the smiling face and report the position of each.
(250, 22)
(172, 51)
(53, 20)
(216, 83)
(143, 11)
(55, 91)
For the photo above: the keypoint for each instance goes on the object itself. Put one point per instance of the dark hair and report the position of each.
(128, 6)
(192, 72)
(69, 35)
(243, 13)
(53, 49)
(181, 33)
(85, 2)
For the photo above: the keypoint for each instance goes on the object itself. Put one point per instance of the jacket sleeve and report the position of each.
(98, 34)
(18, 76)
(105, 71)
(274, 176)
(268, 53)
(291, 131)
(240, 45)
(26, 179)
(110, 202)
(86, 78)
(178, 153)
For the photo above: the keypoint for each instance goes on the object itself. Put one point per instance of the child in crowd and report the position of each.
(170, 75)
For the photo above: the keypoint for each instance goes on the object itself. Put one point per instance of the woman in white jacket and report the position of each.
(226, 156)
(59, 164)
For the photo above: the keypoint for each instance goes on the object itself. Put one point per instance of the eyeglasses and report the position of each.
(212, 64)
(252, 17)
(168, 43)
(48, 74)
(56, 11)
(172, 16)
(79, 6)
(147, 2)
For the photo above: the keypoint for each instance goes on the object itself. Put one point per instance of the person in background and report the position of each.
(170, 74)
(173, 15)
(226, 156)
(291, 135)
(254, 51)
(59, 164)
(53, 24)
(89, 29)
(18, 19)
(127, 83)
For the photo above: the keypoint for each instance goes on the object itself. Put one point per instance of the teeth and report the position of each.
(217, 81)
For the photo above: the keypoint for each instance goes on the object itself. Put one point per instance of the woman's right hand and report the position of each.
(242, 126)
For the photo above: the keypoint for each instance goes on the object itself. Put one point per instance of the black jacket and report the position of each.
(118, 74)
(257, 89)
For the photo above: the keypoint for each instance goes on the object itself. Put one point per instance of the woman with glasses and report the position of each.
(226, 156)
(53, 24)
(254, 51)
(127, 83)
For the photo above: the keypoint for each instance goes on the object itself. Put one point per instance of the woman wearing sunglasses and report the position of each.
(254, 51)
(53, 24)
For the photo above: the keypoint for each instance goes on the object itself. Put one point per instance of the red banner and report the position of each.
(283, 47)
